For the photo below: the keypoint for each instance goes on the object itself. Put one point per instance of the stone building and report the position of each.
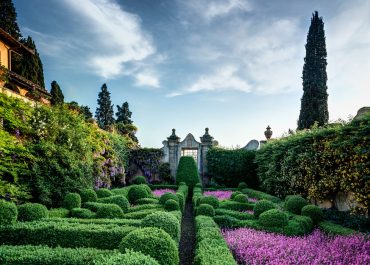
(173, 149)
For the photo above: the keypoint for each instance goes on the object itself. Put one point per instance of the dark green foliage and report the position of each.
(295, 203)
(167, 196)
(260, 195)
(119, 200)
(262, 206)
(164, 173)
(272, 218)
(165, 221)
(82, 213)
(88, 195)
(335, 229)
(153, 242)
(72, 200)
(187, 172)
(314, 103)
(8, 212)
(145, 159)
(32, 212)
(234, 194)
(198, 185)
(104, 112)
(8, 18)
(109, 222)
(211, 200)
(93, 206)
(123, 114)
(236, 206)
(242, 185)
(57, 97)
(137, 192)
(147, 201)
(172, 205)
(138, 208)
(103, 193)
(129, 258)
(230, 167)
(241, 198)
(354, 221)
(235, 214)
(86, 112)
(141, 214)
(139, 180)
(58, 213)
(110, 211)
(305, 222)
(181, 198)
(314, 212)
(62, 234)
(205, 209)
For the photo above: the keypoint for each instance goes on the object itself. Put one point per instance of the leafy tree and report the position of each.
(8, 18)
(314, 103)
(124, 114)
(86, 112)
(57, 97)
(104, 112)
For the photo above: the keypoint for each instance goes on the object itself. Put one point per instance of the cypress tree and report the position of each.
(104, 112)
(314, 102)
(124, 114)
(8, 18)
(57, 97)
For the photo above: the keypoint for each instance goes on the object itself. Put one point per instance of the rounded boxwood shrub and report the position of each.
(314, 212)
(172, 205)
(139, 180)
(147, 201)
(154, 242)
(72, 200)
(82, 213)
(137, 192)
(166, 221)
(119, 200)
(273, 218)
(262, 206)
(241, 198)
(205, 209)
(129, 258)
(147, 188)
(32, 212)
(242, 185)
(88, 195)
(187, 172)
(8, 212)
(295, 203)
(234, 194)
(211, 200)
(109, 211)
(103, 193)
(167, 196)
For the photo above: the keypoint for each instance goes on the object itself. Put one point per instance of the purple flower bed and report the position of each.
(220, 194)
(257, 247)
(160, 192)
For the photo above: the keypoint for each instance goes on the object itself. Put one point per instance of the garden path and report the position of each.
(187, 241)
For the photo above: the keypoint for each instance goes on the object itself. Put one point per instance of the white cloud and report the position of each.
(147, 79)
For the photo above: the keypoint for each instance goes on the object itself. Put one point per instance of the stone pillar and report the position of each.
(206, 143)
(173, 145)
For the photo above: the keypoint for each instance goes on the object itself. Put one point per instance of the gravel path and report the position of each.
(187, 241)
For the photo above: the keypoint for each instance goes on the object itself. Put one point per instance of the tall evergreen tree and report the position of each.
(104, 112)
(314, 102)
(57, 97)
(124, 114)
(8, 18)
(86, 112)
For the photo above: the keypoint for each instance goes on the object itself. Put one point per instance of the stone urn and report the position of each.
(268, 132)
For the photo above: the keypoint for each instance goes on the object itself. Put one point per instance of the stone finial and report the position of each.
(206, 138)
(268, 132)
(173, 136)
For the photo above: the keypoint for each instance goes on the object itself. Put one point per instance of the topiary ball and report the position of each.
(295, 203)
(129, 258)
(154, 242)
(147, 188)
(32, 212)
(234, 194)
(82, 213)
(137, 192)
(314, 212)
(242, 185)
(103, 193)
(119, 200)
(273, 218)
(166, 221)
(205, 209)
(8, 212)
(211, 200)
(167, 196)
(139, 180)
(241, 198)
(262, 206)
(72, 200)
(110, 211)
(172, 205)
(88, 195)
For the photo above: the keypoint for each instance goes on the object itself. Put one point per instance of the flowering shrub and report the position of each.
(220, 194)
(257, 247)
(160, 192)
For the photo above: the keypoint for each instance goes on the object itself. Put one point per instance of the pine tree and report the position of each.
(104, 112)
(124, 114)
(8, 18)
(314, 102)
(86, 112)
(57, 97)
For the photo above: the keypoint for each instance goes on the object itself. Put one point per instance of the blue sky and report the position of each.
(234, 66)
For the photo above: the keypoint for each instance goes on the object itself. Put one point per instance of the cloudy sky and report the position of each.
(234, 66)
